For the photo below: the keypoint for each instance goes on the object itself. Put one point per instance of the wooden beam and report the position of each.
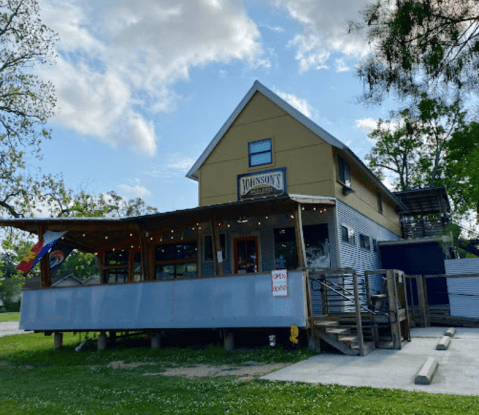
(215, 241)
(45, 279)
(145, 254)
(393, 309)
(298, 228)
(357, 306)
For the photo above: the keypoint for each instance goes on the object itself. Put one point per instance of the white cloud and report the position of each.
(174, 165)
(299, 103)
(118, 61)
(368, 125)
(325, 31)
(134, 189)
(341, 66)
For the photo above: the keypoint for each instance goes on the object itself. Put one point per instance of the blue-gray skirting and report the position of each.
(237, 301)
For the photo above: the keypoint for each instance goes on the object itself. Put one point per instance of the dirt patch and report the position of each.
(120, 364)
(244, 373)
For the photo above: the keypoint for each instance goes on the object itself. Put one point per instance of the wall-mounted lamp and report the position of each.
(242, 219)
(347, 190)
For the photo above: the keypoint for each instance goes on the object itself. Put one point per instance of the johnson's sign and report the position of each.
(262, 184)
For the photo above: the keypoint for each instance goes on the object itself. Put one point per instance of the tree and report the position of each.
(26, 102)
(420, 46)
(413, 143)
(396, 149)
(462, 168)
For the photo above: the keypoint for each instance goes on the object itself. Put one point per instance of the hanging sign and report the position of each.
(262, 184)
(279, 283)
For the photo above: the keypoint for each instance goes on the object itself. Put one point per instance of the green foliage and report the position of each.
(82, 265)
(419, 46)
(413, 144)
(462, 167)
(26, 103)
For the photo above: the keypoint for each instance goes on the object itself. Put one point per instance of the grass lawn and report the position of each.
(9, 317)
(36, 380)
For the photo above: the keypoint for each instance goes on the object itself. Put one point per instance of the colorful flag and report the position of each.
(41, 248)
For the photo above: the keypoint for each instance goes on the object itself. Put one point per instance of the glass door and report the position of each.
(246, 255)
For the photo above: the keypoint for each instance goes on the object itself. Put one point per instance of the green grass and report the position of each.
(9, 317)
(36, 380)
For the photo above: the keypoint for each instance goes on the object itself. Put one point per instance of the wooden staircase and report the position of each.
(341, 338)
(352, 320)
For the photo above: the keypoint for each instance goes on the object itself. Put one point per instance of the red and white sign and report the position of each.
(279, 283)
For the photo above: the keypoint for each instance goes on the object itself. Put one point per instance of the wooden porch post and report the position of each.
(394, 308)
(359, 323)
(298, 228)
(101, 264)
(145, 254)
(215, 241)
(45, 279)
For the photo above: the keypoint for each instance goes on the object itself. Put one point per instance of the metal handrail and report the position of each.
(342, 295)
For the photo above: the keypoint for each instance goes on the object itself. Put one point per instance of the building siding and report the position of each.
(353, 256)
(463, 292)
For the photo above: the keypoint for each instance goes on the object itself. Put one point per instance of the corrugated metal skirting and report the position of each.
(463, 292)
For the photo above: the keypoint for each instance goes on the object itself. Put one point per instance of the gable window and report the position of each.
(343, 171)
(380, 202)
(260, 152)
(347, 235)
(364, 242)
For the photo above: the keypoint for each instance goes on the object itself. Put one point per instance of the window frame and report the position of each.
(110, 268)
(351, 240)
(344, 171)
(225, 250)
(175, 262)
(250, 154)
(362, 242)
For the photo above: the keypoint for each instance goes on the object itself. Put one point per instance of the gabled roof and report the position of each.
(298, 116)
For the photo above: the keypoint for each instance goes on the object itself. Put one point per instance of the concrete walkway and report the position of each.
(458, 371)
(7, 328)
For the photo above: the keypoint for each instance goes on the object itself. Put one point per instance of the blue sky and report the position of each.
(143, 87)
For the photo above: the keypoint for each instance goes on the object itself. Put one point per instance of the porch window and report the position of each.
(347, 235)
(316, 243)
(344, 173)
(260, 152)
(176, 260)
(116, 266)
(208, 247)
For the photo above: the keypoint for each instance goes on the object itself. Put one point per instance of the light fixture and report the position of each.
(347, 190)
(242, 219)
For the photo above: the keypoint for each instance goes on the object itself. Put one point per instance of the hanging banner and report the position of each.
(39, 250)
(279, 283)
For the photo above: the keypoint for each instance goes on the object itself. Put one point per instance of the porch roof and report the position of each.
(93, 234)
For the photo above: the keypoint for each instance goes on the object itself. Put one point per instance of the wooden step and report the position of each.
(325, 323)
(337, 331)
(349, 339)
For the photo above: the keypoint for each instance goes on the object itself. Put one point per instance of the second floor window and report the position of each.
(343, 171)
(260, 152)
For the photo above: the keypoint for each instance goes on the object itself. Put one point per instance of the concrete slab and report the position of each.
(9, 328)
(458, 371)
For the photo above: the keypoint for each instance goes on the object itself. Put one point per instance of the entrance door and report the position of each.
(246, 255)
